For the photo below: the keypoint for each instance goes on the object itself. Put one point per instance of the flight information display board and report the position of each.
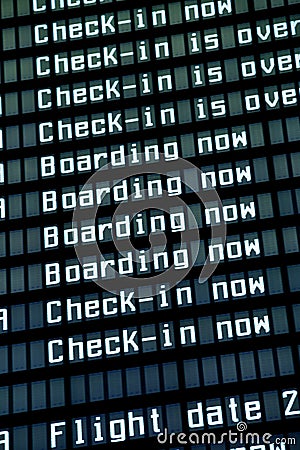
(150, 171)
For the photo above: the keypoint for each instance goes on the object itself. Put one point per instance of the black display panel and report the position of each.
(149, 231)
